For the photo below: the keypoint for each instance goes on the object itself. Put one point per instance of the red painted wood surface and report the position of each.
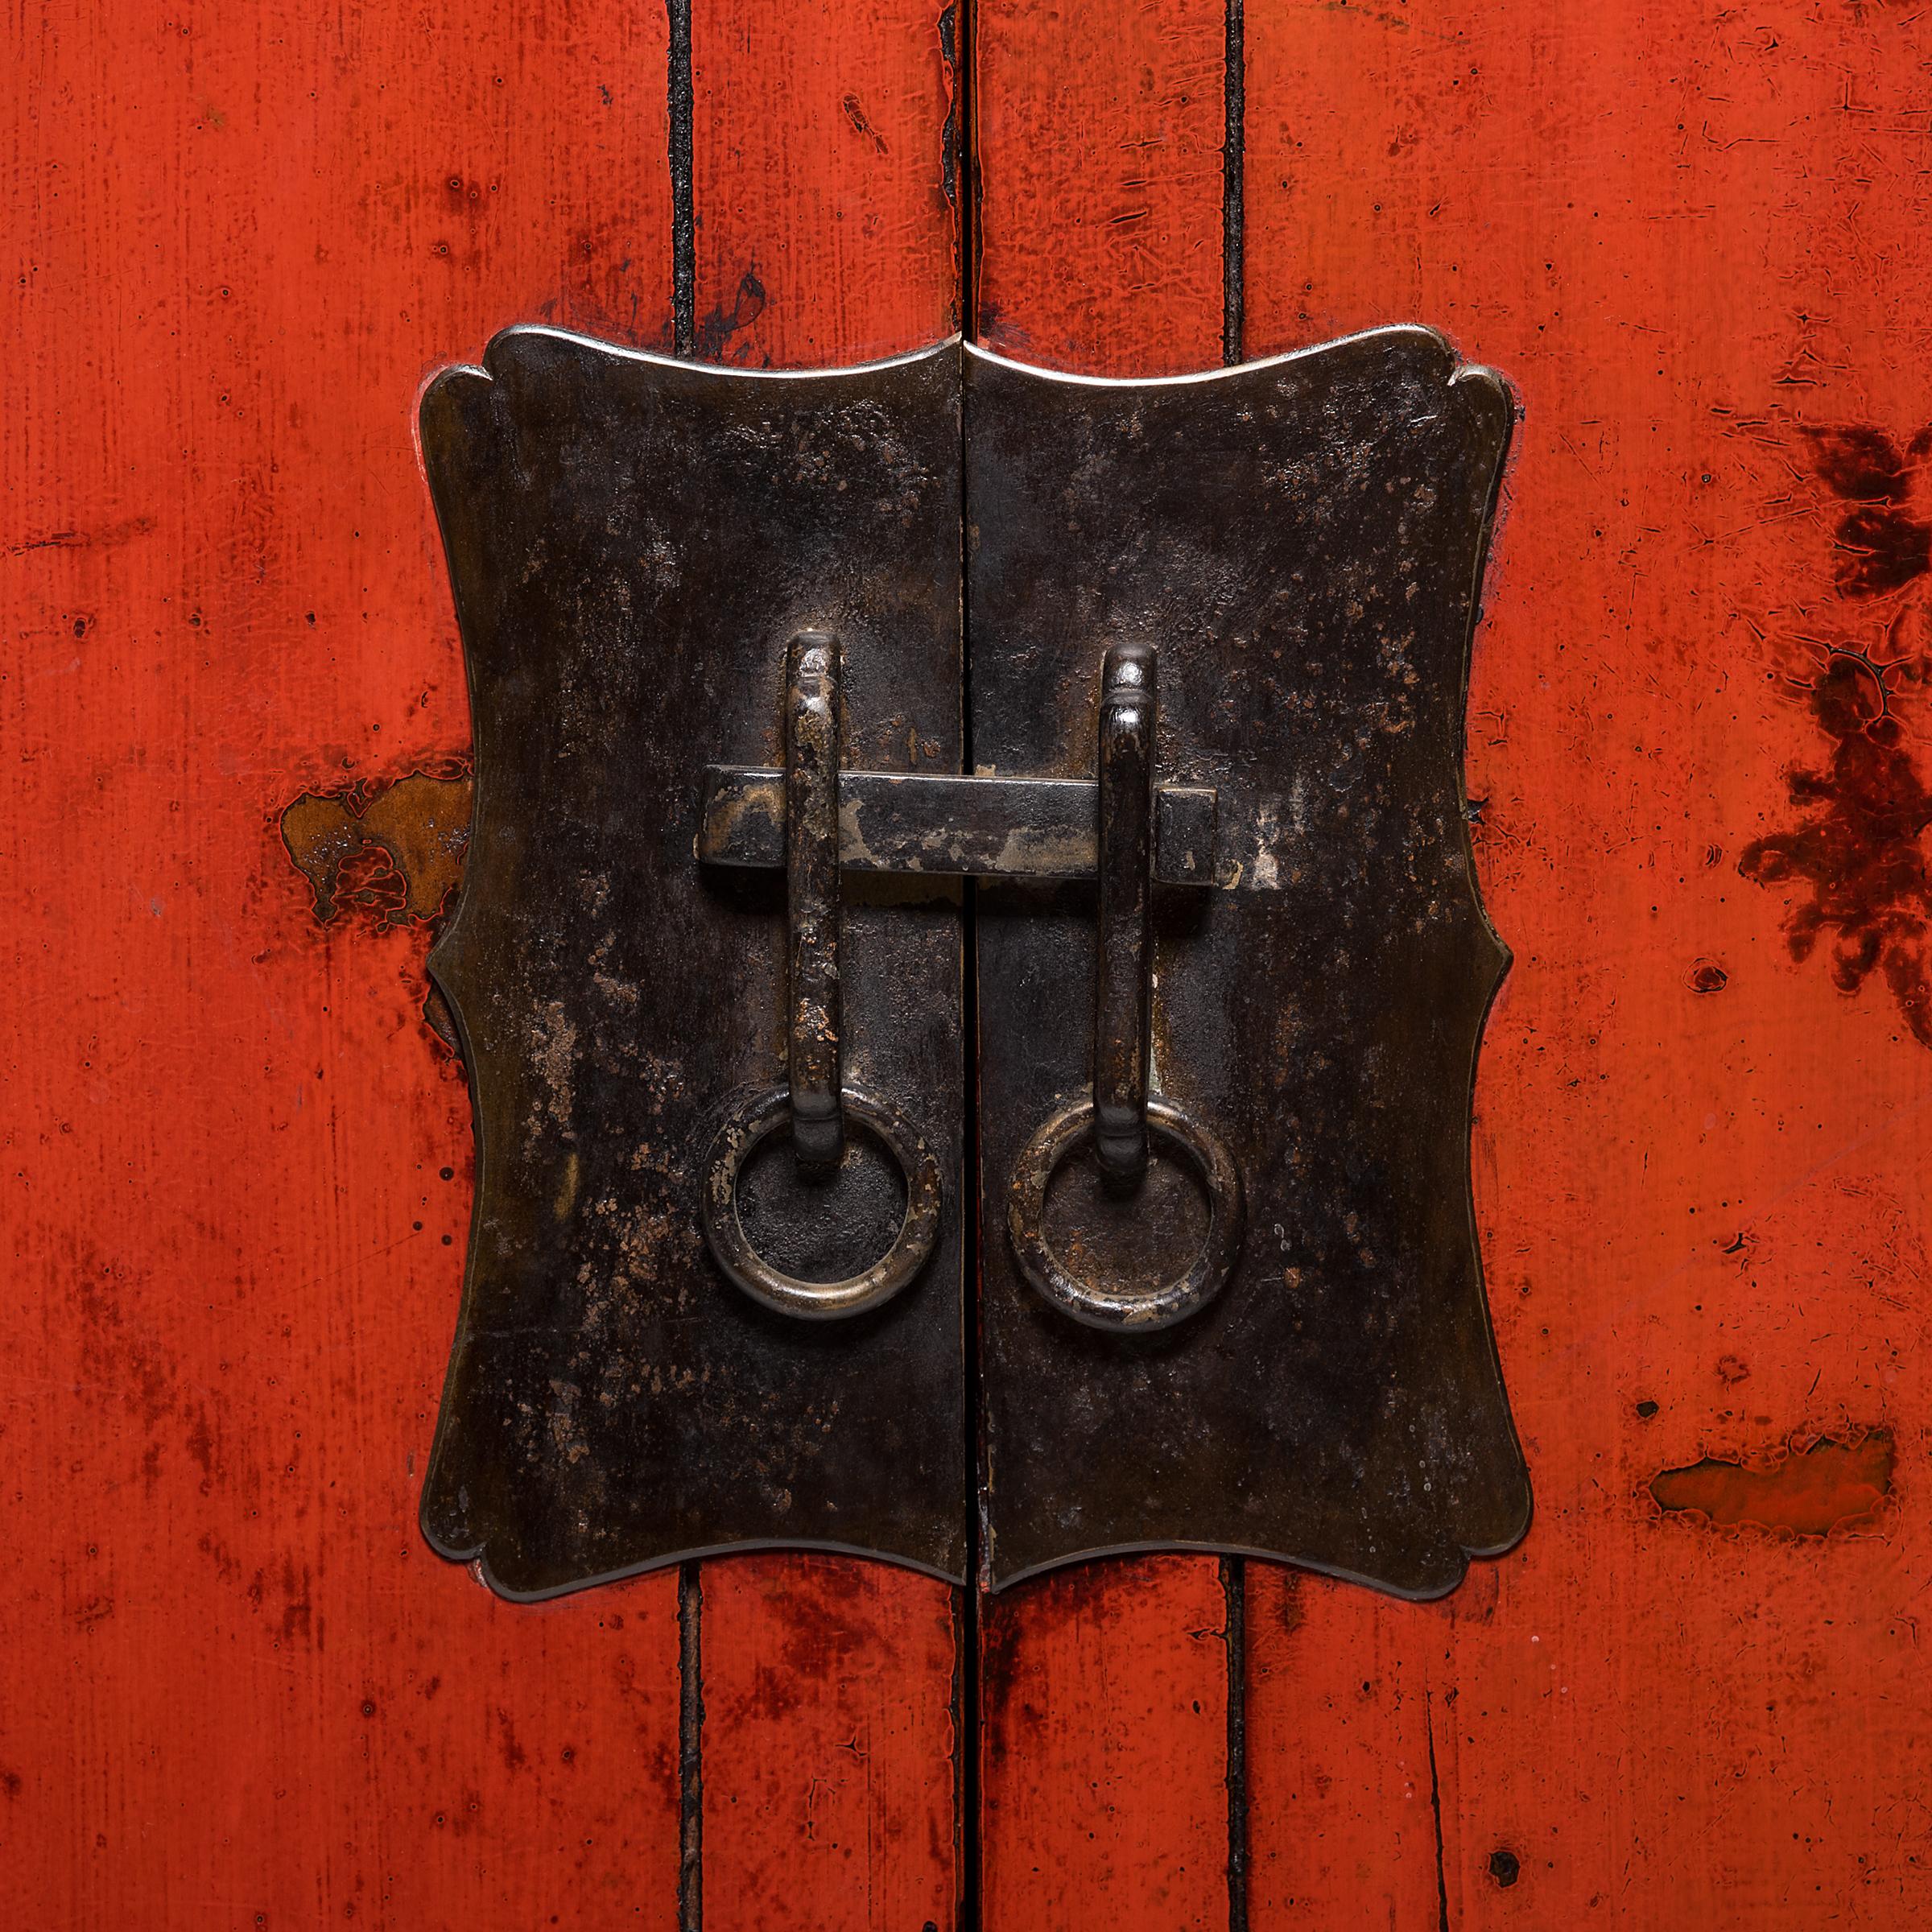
(820, 169)
(1104, 1696)
(829, 1746)
(1104, 1753)
(1099, 127)
(823, 236)
(236, 1689)
(1695, 239)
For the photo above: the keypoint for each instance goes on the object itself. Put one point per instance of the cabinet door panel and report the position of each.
(1695, 242)
(822, 162)
(1104, 1692)
(235, 1686)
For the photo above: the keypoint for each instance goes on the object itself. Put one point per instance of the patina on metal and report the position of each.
(1144, 1299)
(1113, 1125)
(1301, 541)
(633, 543)
(986, 828)
(1122, 986)
(812, 736)
(1233, 967)
(749, 1125)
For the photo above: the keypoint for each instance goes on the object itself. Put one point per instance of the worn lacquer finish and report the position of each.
(1696, 240)
(1098, 129)
(236, 1689)
(829, 1746)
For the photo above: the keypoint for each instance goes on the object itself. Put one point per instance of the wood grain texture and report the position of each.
(1695, 241)
(236, 1688)
(1103, 1753)
(823, 236)
(1104, 1747)
(828, 1755)
(821, 173)
(1098, 129)
(1339, 1731)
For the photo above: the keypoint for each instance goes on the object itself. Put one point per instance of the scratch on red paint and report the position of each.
(1809, 1492)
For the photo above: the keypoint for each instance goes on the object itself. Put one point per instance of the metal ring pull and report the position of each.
(749, 1123)
(815, 1100)
(1167, 1303)
(1120, 1119)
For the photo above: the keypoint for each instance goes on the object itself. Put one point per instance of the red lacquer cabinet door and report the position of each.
(237, 1688)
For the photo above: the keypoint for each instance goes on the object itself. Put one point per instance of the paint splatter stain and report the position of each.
(1854, 854)
(394, 852)
(1810, 1492)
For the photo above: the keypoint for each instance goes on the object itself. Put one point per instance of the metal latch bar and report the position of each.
(944, 823)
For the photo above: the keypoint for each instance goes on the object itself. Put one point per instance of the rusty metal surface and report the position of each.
(632, 543)
(989, 827)
(1301, 540)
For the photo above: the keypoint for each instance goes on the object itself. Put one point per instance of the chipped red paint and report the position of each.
(395, 851)
(1809, 1491)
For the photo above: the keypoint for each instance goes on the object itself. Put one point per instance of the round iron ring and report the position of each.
(1133, 1310)
(750, 1122)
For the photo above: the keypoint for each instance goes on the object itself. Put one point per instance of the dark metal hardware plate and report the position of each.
(1303, 542)
(1232, 965)
(632, 543)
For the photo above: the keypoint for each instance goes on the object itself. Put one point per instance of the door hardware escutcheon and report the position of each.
(713, 626)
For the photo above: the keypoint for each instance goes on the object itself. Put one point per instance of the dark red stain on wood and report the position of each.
(1855, 854)
(1881, 546)
(721, 324)
(395, 851)
(1855, 851)
(1810, 1492)
(1102, 1748)
(855, 112)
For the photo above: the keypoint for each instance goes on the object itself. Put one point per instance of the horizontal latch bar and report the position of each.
(923, 822)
